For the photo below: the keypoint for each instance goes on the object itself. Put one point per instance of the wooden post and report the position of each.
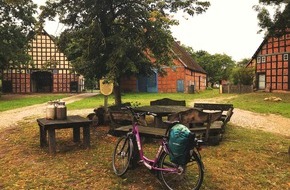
(106, 102)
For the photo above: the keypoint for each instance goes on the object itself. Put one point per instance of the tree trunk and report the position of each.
(117, 92)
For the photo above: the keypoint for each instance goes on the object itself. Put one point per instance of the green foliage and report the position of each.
(243, 62)
(278, 23)
(135, 104)
(91, 84)
(217, 66)
(243, 75)
(16, 26)
(118, 38)
(8, 102)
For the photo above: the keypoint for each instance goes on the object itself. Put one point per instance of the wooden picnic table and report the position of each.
(186, 115)
(74, 121)
(160, 112)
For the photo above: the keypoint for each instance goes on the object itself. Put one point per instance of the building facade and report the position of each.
(186, 77)
(48, 72)
(271, 63)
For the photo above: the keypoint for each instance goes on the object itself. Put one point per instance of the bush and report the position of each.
(242, 75)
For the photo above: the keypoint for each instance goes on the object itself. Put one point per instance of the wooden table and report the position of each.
(160, 112)
(74, 121)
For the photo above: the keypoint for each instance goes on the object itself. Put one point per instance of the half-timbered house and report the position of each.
(185, 76)
(49, 70)
(271, 63)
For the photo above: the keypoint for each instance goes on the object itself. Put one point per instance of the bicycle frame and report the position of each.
(150, 163)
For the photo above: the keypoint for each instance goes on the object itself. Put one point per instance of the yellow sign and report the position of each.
(106, 87)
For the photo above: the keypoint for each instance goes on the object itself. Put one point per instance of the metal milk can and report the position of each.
(50, 110)
(61, 111)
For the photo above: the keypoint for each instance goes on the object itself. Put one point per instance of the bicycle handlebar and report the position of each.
(137, 115)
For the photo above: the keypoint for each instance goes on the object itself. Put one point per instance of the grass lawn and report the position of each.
(255, 102)
(142, 99)
(13, 101)
(246, 159)
(252, 101)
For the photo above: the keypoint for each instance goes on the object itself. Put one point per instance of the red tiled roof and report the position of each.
(186, 58)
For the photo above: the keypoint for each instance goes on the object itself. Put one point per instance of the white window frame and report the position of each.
(263, 59)
(258, 59)
(285, 57)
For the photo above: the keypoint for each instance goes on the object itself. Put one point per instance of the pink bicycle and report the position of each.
(171, 175)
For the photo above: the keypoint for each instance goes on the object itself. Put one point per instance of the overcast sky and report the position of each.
(229, 27)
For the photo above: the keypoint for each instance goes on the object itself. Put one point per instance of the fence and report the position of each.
(229, 88)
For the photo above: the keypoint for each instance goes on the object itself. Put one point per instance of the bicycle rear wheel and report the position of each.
(190, 177)
(122, 155)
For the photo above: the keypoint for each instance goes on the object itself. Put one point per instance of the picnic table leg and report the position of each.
(76, 134)
(207, 132)
(42, 136)
(86, 136)
(158, 121)
(208, 127)
(51, 141)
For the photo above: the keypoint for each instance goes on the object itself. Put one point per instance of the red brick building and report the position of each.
(49, 70)
(186, 76)
(271, 63)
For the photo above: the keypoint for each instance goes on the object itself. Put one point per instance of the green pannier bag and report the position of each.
(178, 144)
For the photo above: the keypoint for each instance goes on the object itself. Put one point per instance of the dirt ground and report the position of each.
(266, 122)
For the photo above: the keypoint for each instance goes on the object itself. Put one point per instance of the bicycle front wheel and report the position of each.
(189, 177)
(122, 155)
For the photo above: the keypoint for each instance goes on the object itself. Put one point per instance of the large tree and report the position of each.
(277, 23)
(217, 66)
(16, 26)
(116, 38)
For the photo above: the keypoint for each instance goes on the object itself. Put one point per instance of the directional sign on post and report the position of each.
(106, 88)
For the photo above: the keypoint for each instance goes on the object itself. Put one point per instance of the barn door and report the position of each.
(152, 83)
(41, 81)
(261, 81)
(142, 84)
(180, 86)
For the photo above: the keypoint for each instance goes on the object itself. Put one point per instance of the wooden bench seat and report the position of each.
(159, 132)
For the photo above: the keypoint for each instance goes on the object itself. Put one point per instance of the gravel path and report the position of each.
(266, 122)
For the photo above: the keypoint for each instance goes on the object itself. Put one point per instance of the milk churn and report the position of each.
(61, 111)
(50, 110)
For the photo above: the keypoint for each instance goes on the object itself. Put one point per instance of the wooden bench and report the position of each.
(156, 132)
(186, 118)
(119, 117)
(227, 112)
(168, 102)
(195, 116)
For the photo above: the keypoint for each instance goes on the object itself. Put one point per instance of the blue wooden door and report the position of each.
(180, 86)
(152, 83)
(142, 84)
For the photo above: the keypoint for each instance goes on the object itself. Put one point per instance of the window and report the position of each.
(258, 59)
(285, 57)
(263, 59)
